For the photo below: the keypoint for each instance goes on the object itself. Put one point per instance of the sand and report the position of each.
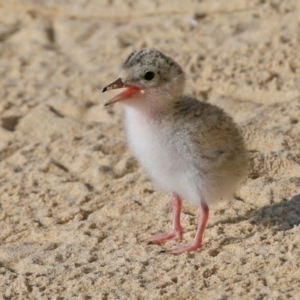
(75, 206)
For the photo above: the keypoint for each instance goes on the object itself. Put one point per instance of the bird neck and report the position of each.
(153, 104)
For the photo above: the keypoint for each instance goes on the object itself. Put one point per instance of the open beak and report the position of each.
(119, 84)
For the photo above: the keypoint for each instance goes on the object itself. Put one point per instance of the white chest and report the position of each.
(158, 150)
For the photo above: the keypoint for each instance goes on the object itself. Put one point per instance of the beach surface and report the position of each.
(75, 207)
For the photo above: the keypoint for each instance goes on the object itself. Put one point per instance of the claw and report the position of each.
(189, 247)
(161, 238)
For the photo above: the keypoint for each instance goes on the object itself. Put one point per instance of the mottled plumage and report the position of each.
(190, 148)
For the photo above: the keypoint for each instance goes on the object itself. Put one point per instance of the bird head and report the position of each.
(150, 78)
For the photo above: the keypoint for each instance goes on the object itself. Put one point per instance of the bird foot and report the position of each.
(165, 236)
(189, 247)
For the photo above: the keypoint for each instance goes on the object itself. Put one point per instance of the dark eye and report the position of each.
(149, 75)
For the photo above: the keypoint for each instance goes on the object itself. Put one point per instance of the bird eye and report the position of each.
(149, 75)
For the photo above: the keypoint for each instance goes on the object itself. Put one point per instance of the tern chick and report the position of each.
(189, 148)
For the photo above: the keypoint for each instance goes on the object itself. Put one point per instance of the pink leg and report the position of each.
(176, 232)
(203, 213)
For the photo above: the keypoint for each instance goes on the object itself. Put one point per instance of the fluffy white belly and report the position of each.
(163, 156)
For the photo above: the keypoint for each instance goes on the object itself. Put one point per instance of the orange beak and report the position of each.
(119, 84)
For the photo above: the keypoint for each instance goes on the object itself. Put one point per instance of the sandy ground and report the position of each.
(75, 205)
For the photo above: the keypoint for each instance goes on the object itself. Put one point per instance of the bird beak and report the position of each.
(119, 84)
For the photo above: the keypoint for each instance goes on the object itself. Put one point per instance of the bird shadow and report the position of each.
(279, 216)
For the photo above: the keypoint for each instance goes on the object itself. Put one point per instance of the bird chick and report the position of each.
(189, 148)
